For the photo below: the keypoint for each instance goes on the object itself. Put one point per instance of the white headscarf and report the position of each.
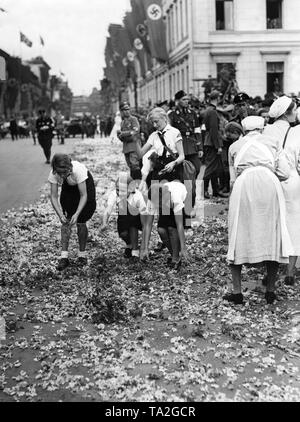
(252, 123)
(280, 106)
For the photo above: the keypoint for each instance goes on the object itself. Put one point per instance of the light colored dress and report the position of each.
(257, 224)
(291, 187)
(117, 126)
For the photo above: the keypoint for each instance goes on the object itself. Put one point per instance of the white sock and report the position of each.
(64, 254)
(82, 254)
(136, 253)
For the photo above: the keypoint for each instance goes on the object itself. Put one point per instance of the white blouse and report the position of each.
(79, 174)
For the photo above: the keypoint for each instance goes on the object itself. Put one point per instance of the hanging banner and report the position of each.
(2, 69)
(156, 29)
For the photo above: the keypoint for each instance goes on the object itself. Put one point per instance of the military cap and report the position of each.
(124, 106)
(179, 95)
(241, 98)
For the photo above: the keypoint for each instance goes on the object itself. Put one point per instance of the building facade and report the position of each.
(260, 39)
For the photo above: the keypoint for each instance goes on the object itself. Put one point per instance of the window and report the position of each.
(275, 71)
(176, 24)
(182, 80)
(187, 78)
(225, 70)
(173, 28)
(224, 15)
(226, 75)
(186, 17)
(274, 14)
(181, 19)
(168, 32)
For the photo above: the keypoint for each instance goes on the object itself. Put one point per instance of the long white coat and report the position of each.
(257, 221)
(291, 186)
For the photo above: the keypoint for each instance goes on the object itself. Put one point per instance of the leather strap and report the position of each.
(166, 148)
(286, 136)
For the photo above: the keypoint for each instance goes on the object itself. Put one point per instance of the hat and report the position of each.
(124, 106)
(280, 106)
(241, 98)
(235, 127)
(253, 122)
(179, 95)
(214, 95)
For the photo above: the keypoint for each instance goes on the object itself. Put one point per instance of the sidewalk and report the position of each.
(123, 331)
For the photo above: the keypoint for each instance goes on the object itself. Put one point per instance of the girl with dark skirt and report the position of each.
(168, 199)
(77, 203)
(131, 207)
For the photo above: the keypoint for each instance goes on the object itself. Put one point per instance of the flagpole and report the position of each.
(20, 72)
(21, 51)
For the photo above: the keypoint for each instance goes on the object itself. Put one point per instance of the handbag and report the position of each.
(186, 169)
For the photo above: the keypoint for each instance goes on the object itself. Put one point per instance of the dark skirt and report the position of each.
(70, 197)
(124, 222)
(213, 162)
(165, 221)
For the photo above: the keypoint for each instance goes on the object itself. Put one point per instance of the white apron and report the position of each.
(286, 246)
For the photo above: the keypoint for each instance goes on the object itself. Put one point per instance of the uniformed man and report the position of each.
(213, 145)
(242, 108)
(129, 135)
(44, 127)
(187, 122)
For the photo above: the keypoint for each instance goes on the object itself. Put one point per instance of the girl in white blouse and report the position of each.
(77, 203)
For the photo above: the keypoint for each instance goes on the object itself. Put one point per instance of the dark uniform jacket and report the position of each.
(242, 114)
(186, 121)
(131, 125)
(213, 137)
(47, 133)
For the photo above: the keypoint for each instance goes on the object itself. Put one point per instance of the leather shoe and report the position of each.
(63, 264)
(237, 299)
(289, 281)
(270, 297)
(175, 265)
(223, 194)
(128, 253)
(264, 280)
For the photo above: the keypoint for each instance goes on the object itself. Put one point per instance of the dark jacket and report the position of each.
(213, 137)
(131, 134)
(186, 121)
(45, 121)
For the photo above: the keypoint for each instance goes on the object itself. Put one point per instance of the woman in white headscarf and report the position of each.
(283, 111)
(257, 227)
